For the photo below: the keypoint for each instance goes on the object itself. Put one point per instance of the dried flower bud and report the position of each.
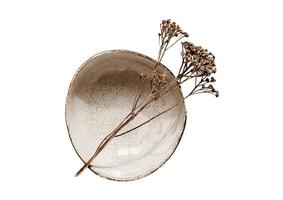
(212, 79)
(217, 93)
(144, 76)
(185, 34)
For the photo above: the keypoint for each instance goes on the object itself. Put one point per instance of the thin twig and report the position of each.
(138, 98)
(183, 36)
(104, 142)
(138, 95)
(159, 114)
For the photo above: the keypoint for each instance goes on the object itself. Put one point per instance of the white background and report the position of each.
(233, 145)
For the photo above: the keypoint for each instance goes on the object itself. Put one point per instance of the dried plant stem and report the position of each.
(178, 84)
(112, 134)
(183, 36)
(137, 99)
(161, 45)
(194, 91)
(170, 89)
(104, 143)
(128, 118)
(180, 69)
(196, 63)
(161, 113)
(138, 96)
(162, 52)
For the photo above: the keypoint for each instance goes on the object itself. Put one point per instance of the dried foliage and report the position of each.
(197, 64)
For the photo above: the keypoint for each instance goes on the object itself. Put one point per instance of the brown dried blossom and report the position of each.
(196, 61)
(158, 83)
(171, 29)
(168, 31)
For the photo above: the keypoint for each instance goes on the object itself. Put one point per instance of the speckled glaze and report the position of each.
(101, 95)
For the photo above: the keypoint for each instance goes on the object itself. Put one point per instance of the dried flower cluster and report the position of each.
(158, 84)
(171, 29)
(197, 60)
(198, 63)
(168, 31)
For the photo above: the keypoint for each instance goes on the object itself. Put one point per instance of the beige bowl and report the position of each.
(101, 95)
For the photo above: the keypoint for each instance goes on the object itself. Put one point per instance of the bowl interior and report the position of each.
(101, 95)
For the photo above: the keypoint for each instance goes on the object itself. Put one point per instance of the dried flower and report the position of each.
(168, 31)
(199, 64)
(200, 60)
(171, 29)
(158, 83)
(206, 88)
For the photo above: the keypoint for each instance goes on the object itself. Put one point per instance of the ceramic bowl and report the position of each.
(101, 94)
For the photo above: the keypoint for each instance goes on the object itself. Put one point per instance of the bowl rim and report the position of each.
(68, 97)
